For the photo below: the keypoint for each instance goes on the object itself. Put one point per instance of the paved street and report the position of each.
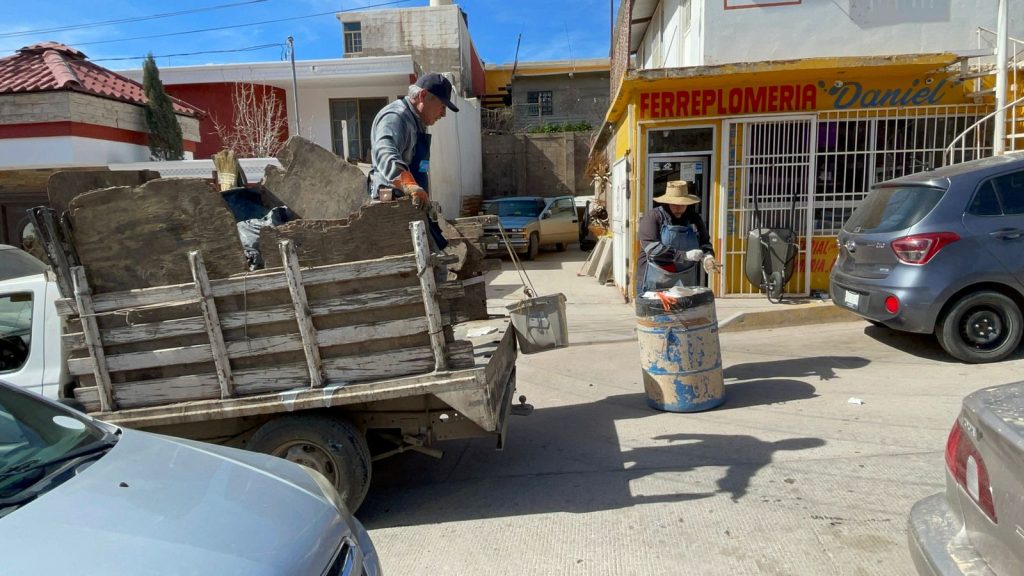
(788, 477)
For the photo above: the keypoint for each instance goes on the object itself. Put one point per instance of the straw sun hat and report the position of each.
(677, 192)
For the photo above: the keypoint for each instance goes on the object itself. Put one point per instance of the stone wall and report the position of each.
(536, 164)
(65, 106)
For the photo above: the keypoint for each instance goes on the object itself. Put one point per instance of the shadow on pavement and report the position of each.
(920, 345)
(570, 459)
(821, 366)
(764, 393)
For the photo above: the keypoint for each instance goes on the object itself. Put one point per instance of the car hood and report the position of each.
(517, 221)
(158, 505)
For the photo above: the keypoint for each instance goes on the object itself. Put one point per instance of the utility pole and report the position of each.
(999, 130)
(295, 87)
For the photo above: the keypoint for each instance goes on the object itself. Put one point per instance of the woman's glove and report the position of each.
(694, 255)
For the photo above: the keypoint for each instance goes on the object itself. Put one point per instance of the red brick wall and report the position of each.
(216, 100)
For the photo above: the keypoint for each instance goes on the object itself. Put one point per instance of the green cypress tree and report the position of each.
(164, 130)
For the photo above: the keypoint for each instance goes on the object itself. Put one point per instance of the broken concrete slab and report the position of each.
(139, 237)
(64, 186)
(377, 230)
(316, 183)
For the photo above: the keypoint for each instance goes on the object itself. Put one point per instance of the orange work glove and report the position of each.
(407, 184)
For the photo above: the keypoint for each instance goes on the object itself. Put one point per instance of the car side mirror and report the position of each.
(545, 215)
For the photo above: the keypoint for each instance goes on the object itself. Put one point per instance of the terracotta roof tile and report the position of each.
(53, 66)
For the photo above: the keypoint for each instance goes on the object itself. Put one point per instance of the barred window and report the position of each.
(541, 104)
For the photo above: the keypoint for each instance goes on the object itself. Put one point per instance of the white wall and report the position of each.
(68, 151)
(455, 157)
(817, 28)
(315, 107)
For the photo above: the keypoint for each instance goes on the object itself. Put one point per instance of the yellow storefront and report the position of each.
(820, 131)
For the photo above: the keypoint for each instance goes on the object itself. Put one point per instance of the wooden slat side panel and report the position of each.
(339, 371)
(253, 347)
(236, 285)
(231, 320)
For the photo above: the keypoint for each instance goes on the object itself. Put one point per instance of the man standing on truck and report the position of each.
(400, 145)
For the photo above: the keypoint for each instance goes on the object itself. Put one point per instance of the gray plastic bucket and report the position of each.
(540, 323)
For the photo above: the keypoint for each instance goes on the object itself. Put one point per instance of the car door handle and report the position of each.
(1007, 233)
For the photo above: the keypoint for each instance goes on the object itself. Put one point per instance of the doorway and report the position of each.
(694, 169)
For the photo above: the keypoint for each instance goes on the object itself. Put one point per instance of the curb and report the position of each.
(800, 315)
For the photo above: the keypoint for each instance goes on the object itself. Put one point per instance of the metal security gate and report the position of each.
(774, 159)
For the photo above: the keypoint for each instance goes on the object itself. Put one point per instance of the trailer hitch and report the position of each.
(405, 443)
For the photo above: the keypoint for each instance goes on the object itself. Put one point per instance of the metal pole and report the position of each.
(999, 131)
(295, 87)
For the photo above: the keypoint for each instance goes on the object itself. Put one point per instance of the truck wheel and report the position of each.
(534, 248)
(981, 327)
(333, 447)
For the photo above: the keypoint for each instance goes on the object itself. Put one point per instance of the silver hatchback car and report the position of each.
(941, 252)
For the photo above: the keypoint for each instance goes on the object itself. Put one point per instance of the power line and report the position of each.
(246, 49)
(219, 28)
(124, 20)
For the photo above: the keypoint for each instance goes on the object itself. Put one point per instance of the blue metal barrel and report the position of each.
(680, 354)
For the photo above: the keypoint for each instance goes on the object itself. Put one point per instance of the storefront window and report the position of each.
(680, 140)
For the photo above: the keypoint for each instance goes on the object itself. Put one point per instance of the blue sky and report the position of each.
(551, 29)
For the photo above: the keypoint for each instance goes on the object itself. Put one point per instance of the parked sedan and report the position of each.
(976, 526)
(80, 496)
(941, 252)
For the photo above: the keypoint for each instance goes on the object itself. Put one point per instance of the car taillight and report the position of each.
(968, 469)
(892, 304)
(920, 248)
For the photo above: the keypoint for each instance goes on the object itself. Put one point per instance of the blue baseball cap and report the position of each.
(439, 86)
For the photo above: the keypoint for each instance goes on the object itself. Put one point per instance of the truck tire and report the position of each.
(981, 327)
(534, 248)
(332, 446)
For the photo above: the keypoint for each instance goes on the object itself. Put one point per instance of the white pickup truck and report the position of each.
(316, 413)
(28, 318)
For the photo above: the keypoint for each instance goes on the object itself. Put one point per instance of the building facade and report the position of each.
(790, 127)
(541, 94)
(59, 109)
(436, 36)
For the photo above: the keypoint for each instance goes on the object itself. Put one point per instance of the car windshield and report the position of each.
(35, 434)
(528, 208)
(892, 209)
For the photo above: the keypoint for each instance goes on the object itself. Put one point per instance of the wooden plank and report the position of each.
(211, 323)
(93, 342)
(303, 316)
(429, 287)
(460, 355)
(252, 347)
(305, 399)
(230, 320)
(249, 283)
(339, 371)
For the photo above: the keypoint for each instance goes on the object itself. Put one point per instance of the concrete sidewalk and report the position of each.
(600, 313)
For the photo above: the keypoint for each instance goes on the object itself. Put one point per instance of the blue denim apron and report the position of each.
(680, 238)
(420, 166)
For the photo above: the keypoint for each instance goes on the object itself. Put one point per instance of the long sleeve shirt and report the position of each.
(649, 234)
(392, 143)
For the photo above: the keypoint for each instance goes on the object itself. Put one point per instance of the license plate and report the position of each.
(492, 246)
(851, 299)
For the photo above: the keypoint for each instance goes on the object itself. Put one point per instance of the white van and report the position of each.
(28, 318)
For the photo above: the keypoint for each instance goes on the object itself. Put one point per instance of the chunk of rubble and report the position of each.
(138, 237)
(315, 183)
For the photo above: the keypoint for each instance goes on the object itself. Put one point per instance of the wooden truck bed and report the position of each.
(369, 336)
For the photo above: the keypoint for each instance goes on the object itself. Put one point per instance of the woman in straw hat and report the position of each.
(673, 239)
